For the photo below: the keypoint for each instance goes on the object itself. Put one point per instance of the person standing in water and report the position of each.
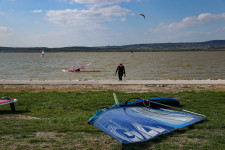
(121, 70)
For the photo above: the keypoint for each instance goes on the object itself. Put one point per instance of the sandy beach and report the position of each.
(115, 85)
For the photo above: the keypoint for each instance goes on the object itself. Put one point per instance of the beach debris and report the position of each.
(160, 85)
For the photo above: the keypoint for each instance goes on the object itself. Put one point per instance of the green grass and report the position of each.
(58, 120)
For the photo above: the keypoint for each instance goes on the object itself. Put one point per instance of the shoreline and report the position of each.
(130, 86)
(102, 82)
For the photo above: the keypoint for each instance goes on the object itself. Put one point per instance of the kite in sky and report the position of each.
(141, 15)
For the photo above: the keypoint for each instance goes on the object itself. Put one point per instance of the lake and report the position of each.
(138, 65)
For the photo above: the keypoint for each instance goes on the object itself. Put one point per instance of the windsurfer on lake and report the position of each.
(121, 70)
(75, 68)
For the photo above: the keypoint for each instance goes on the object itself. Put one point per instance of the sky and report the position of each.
(65, 23)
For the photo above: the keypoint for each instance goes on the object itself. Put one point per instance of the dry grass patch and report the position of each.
(19, 117)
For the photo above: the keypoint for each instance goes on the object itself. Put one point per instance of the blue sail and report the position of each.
(134, 122)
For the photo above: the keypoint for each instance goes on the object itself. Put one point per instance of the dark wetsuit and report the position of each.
(121, 71)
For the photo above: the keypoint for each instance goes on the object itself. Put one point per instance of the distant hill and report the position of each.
(214, 45)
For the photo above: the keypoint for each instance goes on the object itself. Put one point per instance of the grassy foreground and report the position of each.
(58, 120)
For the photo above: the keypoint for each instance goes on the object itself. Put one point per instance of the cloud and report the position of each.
(203, 27)
(5, 32)
(1, 13)
(99, 2)
(190, 22)
(189, 35)
(37, 11)
(3, 29)
(87, 19)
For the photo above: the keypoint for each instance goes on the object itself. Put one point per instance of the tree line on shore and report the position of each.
(214, 45)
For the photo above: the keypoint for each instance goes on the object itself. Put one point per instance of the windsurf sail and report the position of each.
(138, 121)
(76, 68)
(82, 66)
(42, 52)
(6, 100)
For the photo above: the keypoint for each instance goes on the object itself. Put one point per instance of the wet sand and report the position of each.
(115, 85)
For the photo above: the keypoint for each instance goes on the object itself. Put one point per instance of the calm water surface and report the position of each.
(143, 65)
